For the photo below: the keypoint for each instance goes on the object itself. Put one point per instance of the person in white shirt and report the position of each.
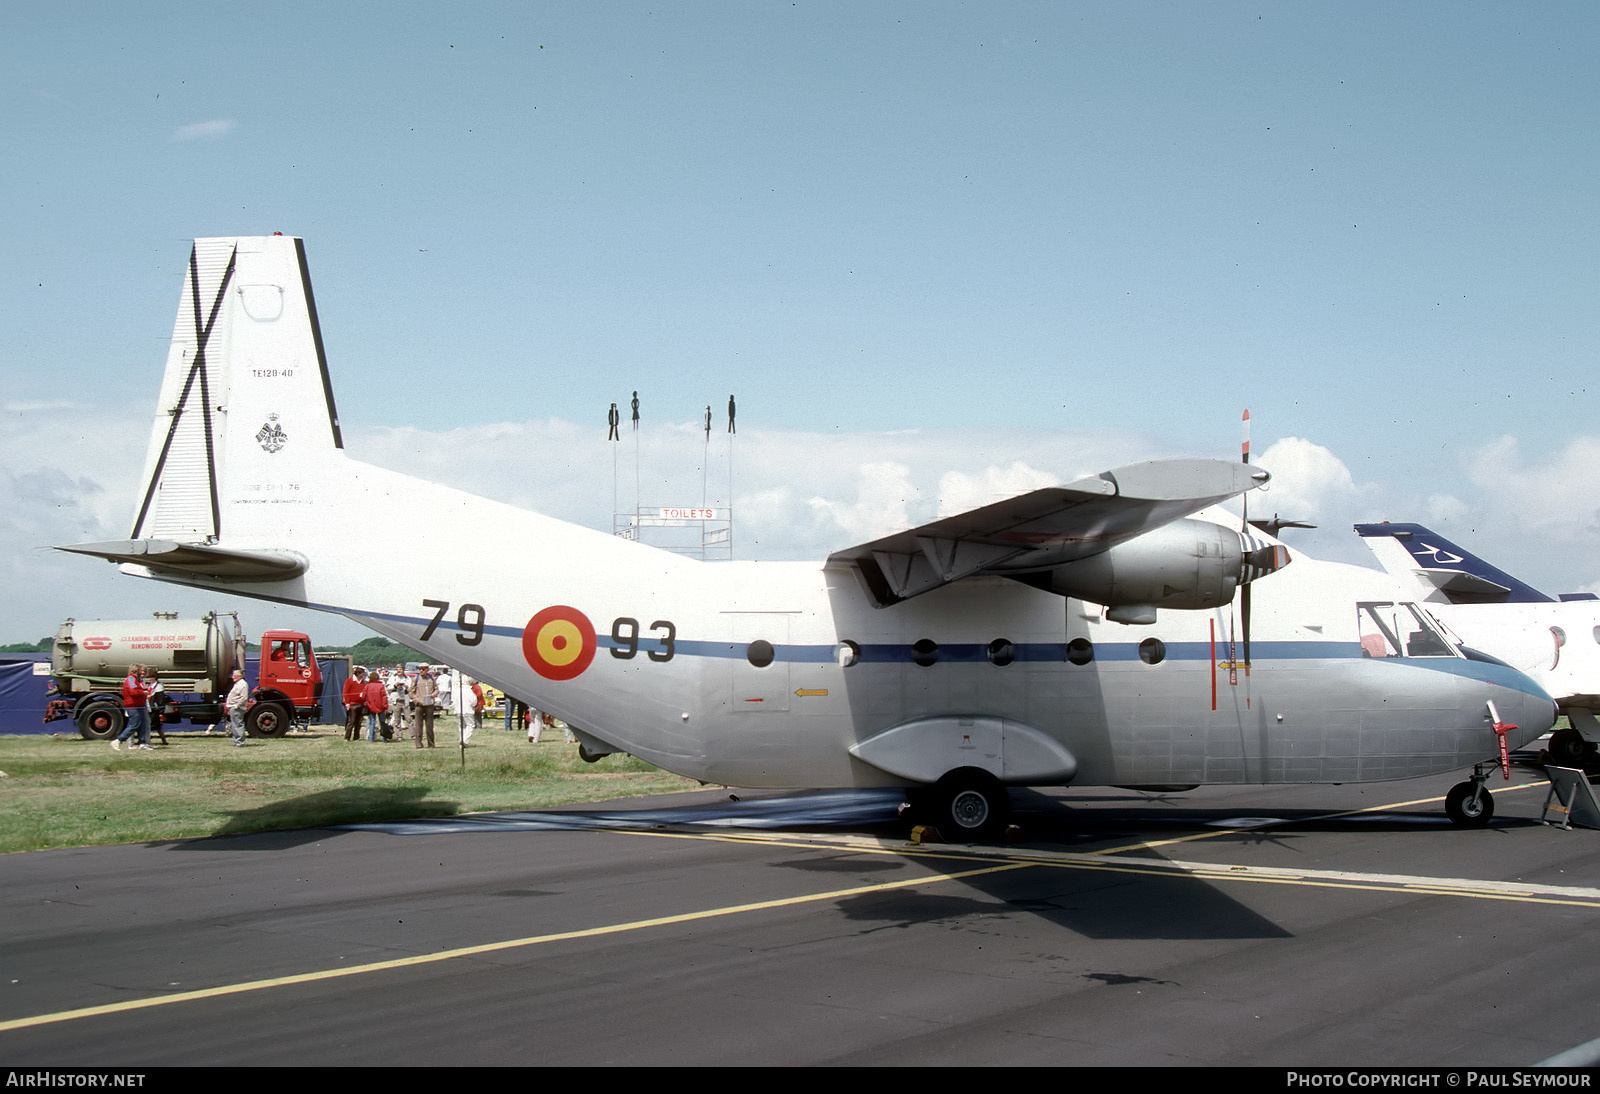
(446, 685)
(462, 702)
(238, 699)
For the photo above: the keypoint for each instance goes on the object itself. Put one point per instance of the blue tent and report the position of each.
(25, 676)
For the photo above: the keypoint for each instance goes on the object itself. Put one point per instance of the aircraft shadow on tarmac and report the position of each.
(1043, 817)
(282, 824)
(1104, 903)
(1093, 903)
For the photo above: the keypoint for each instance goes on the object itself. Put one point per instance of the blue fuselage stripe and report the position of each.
(978, 653)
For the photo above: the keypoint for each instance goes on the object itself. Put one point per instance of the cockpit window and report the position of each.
(1400, 630)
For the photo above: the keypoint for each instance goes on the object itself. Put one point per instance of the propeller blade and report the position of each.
(1244, 618)
(1277, 524)
(1244, 530)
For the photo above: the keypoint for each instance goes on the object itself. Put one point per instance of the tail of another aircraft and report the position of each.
(1451, 574)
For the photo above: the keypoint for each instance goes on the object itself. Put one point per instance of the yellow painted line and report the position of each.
(1472, 888)
(1533, 892)
(811, 691)
(1216, 832)
(1107, 860)
(1521, 892)
(490, 947)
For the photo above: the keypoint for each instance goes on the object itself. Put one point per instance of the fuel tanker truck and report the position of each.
(193, 658)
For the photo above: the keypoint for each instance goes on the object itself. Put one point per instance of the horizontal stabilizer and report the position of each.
(197, 560)
(1463, 588)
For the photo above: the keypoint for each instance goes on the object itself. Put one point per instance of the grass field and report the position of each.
(68, 792)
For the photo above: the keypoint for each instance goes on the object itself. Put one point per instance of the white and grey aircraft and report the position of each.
(1555, 640)
(1082, 635)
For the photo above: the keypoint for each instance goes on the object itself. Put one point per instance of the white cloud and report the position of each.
(883, 501)
(959, 491)
(204, 131)
(1308, 480)
(69, 466)
(1444, 509)
(1555, 497)
(31, 407)
(70, 474)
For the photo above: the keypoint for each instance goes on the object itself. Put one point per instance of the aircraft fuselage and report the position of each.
(656, 655)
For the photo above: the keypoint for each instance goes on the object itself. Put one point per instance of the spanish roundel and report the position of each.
(558, 642)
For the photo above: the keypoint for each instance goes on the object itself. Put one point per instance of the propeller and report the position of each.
(1277, 524)
(1259, 558)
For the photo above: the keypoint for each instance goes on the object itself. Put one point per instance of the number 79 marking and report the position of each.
(469, 621)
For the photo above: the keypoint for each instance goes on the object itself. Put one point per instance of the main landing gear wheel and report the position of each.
(101, 722)
(1469, 805)
(267, 720)
(1567, 748)
(969, 806)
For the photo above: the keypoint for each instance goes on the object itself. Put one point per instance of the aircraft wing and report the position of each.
(1046, 527)
(187, 561)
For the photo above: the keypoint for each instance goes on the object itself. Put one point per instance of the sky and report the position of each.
(941, 252)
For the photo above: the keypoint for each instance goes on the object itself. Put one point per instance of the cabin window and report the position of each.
(759, 653)
(925, 652)
(846, 653)
(1399, 630)
(1152, 651)
(1002, 652)
(1080, 651)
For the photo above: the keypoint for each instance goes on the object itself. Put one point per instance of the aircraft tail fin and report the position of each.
(1457, 575)
(246, 415)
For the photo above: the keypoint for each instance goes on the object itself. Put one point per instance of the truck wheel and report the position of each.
(267, 720)
(101, 722)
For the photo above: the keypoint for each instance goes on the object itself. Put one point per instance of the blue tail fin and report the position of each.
(1460, 576)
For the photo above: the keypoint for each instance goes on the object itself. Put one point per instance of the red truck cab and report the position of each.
(289, 685)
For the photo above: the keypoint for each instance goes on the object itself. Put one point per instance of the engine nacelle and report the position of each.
(1188, 564)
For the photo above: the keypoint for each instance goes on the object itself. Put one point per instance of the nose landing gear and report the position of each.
(1469, 804)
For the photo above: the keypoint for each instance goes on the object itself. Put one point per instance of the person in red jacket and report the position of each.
(377, 704)
(355, 703)
(134, 697)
